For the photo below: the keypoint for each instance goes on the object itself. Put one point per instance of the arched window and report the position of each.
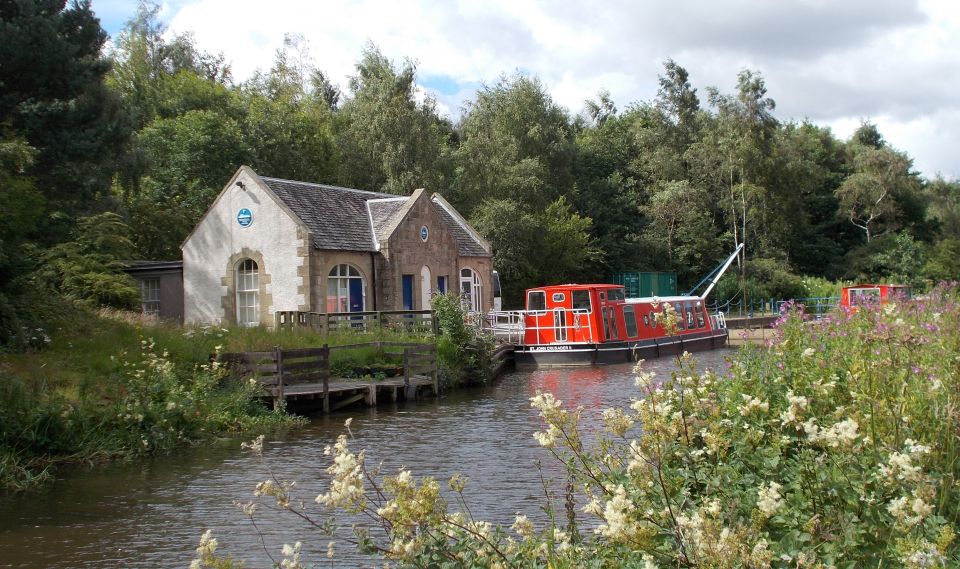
(248, 293)
(344, 289)
(471, 290)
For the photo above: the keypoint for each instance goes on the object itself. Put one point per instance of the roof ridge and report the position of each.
(382, 195)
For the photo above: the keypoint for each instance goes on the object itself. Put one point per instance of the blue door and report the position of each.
(356, 295)
(408, 292)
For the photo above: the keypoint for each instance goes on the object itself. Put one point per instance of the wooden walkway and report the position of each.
(305, 374)
(343, 392)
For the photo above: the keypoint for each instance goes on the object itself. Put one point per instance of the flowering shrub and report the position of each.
(161, 406)
(834, 446)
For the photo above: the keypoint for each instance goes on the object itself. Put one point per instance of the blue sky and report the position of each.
(836, 64)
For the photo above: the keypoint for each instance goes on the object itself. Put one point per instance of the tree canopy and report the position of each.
(155, 126)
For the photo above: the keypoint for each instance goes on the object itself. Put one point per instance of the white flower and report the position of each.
(769, 499)
(752, 404)
(523, 526)
(798, 403)
(809, 352)
(617, 515)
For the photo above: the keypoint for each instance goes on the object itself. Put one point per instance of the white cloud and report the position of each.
(832, 62)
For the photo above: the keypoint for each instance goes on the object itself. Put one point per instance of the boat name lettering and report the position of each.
(550, 348)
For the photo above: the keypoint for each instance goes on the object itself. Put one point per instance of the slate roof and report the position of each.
(382, 213)
(467, 246)
(336, 216)
(346, 219)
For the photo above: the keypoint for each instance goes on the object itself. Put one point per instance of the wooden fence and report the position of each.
(305, 372)
(407, 320)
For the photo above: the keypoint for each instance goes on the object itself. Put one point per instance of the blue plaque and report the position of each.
(244, 217)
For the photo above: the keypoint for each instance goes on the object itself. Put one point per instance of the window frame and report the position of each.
(247, 286)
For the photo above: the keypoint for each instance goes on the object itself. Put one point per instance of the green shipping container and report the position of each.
(647, 284)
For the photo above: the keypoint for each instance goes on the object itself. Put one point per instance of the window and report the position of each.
(615, 294)
(700, 322)
(681, 319)
(689, 308)
(630, 319)
(150, 296)
(613, 323)
(860, 296)
(344, 289)
(470, 290)
(646, 320)
(536, 300)
(248, 292)
(581, 300)
(442, 284)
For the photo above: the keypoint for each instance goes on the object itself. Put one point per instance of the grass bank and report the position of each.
(111, 384)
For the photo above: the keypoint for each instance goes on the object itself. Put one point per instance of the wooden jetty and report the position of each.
(304, 374)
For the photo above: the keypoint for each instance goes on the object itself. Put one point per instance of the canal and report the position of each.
(151, 513)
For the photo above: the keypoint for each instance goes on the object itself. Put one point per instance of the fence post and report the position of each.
(435, 372)
(326, 380)
(279, 402)
(434, 323)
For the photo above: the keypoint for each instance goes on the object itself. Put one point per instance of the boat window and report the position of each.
(536, 300)
(602, 295)
(606, 323)
(613, 323)
(700, 321)
(690, 316)
(860, 296)
(581, 300)
(615, 294)
(681, 320)
(630, 320)
(558, 297)
(646, 320)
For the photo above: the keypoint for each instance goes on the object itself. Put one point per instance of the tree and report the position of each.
(388, 141)
(87, 268)
(516, 143)
(534, 247)
(288, 123)
(52, 96)
(868, 197)
(188, 159)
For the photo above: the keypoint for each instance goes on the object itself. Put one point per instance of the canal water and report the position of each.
(151, 513)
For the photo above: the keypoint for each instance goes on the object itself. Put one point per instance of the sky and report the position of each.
(895, 63)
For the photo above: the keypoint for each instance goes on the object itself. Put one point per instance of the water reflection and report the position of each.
(151, 513)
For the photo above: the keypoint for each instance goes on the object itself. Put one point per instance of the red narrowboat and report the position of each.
(575, 325)
(871, 294)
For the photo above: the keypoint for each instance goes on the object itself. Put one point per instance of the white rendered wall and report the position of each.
(218, 237)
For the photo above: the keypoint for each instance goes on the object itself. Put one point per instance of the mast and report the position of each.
(716, 273)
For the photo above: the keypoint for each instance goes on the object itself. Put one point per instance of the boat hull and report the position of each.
(528, 357)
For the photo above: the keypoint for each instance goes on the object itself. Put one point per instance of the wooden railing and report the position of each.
(279, 369)
(407, 320)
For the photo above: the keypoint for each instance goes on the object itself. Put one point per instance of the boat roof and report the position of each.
(653, 299)
(575, 286)
(871, 285)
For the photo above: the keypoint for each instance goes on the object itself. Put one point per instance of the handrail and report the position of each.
(511, 325)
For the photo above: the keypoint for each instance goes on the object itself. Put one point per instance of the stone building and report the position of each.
(268, 245)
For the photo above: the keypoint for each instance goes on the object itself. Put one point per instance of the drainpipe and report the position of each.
(373, 277)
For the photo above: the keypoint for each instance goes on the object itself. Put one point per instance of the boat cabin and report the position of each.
(600, 313)
(872, 294)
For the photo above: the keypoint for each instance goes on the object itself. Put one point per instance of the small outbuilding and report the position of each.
(269, 245)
